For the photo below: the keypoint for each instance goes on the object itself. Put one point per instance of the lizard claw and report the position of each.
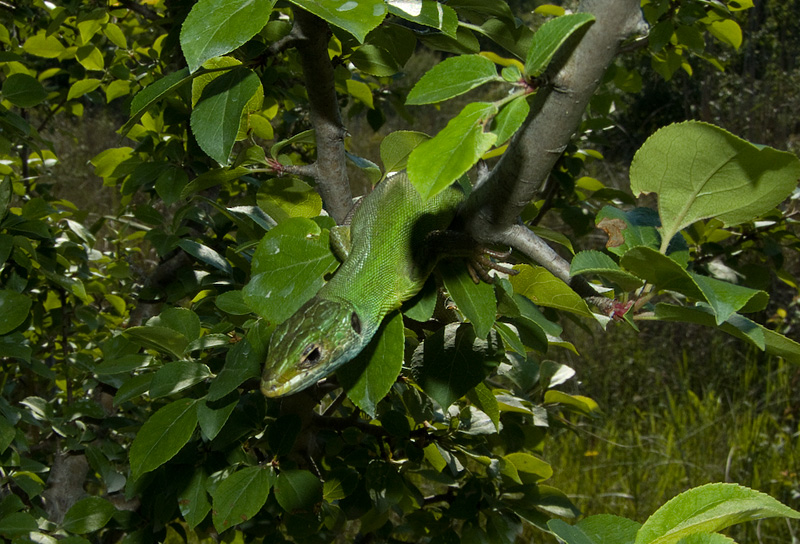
(480, 264)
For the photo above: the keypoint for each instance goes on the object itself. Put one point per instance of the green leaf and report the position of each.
(241, 495)
(438, 162)
(569, 534)
(7, 433)
(297, 490)
(282, 434)
(483, 397)
(370, 376)
(159, 338)
(206, 254)
(81, 87)
(285, 197)
(525, 463)
(216, 118)
(217, 27)
(385, 52)
(661, 271)
(23, 90)
(18, 524)
(452, 77)
(453, 360)
(88, 515)
(357, 18)
(476, 301)
(163, 435)
(288, 269)
(152, 93)
(241, 363)
(608, 529)
(14, 309)
(727, 31)
(700, 171)
(42, 45)
(397, 146)
(595, 262)
(132, 388)
(170, 183)
(550, 37)
(183, 320)
(708, 509)
(728, 298)
(578, 403)
(193, 499)
(212, 178)
(426, 12)
(510, 118)
(212, 418)
(544, 289)
(177, 376)
(232, 302)
(90, 58)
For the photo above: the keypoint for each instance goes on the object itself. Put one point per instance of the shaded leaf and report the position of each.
(88, 515)
(453, 360)
(241, 495)
(475, 301)
(162, 436)
(370, 376)
(297, 490)
(550, 37)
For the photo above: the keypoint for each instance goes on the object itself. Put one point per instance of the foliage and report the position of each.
(118, 427)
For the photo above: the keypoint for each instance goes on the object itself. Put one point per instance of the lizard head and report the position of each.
(320, 337)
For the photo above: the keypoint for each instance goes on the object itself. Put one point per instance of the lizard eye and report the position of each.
(310, 357)
(355, 322)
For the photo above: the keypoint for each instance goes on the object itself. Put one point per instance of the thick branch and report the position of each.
(331, 166)
(493, 208)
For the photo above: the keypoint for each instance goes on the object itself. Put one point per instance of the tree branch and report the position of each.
(331, 165)
(493, 208)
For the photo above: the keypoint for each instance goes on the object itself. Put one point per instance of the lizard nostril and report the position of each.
(355, 322)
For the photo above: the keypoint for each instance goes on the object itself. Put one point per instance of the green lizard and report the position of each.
(388, 263)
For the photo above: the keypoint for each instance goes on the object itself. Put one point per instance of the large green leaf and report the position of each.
(475, 300)
(357, 18)
(370, 376)
(240, 496)
(725, 298)
(708, 509)
(159, 338)
(436, 163)
(544, 289)
(569, 534)
(452, 77)
(23, 90)
(163, 435)
(217, 27)
(151, 94)
(385, 52)
(608, 529)
(453, 360)
(595, 262)
(700, 171)
(177, 376)
(288, 196)
(288, 269)
(88, 515)
(241, 363)
(426, 12)
(297, 490)
(549, 38)
(510, 118)
(211, 417)
(14, 308)
(216, 118)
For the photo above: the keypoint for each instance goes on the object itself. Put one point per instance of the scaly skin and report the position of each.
(388, 263)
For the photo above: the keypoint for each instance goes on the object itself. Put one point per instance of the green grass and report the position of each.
(682, 407)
